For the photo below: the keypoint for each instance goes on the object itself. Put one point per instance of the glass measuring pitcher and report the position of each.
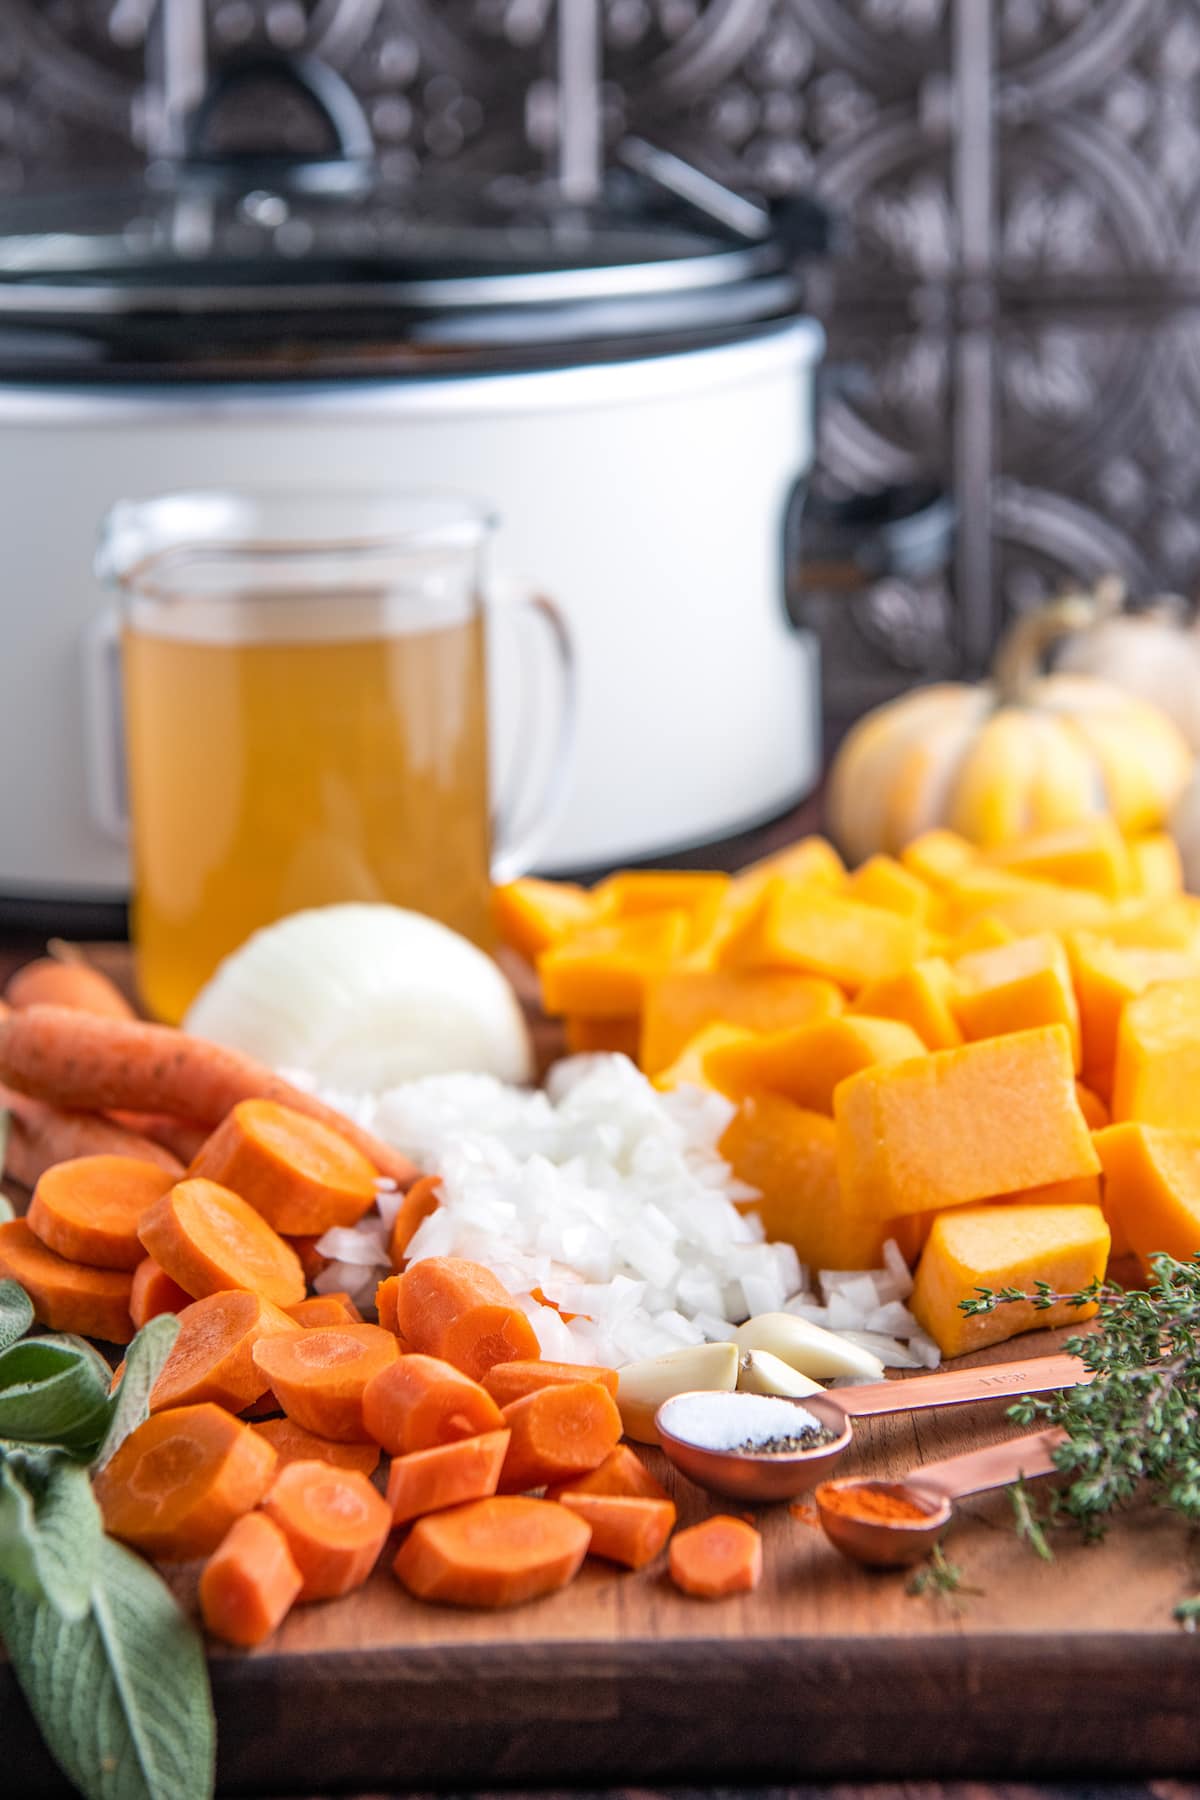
(306, 717)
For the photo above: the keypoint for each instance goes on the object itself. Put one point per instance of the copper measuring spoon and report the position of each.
(765, 1476)
(895, 1543)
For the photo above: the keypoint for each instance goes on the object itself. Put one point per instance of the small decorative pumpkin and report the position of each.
(1025, 752)
(1185, 829)
(1153, 652)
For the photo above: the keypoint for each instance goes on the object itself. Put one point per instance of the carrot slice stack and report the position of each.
(298, 1173)
(67, 1296)
(249, 1582)
(457, 1310)
(208, 1239)
(180, 1480)
(319, 1375)
(335, 1524)
(497, 1552)
(88, 1209)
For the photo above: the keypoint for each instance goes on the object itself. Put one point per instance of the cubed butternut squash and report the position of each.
(806, 1063)
(1092, 1107)
(530, 915)
(1171, 924)
(636, 891)
(1015, 987)
(918, 997)
(677, 1005)
(790, 1156)
(1157, 1072)
(985, 932)
(693, 1065)
(961, 1125)
(1092, 854)
(882, 881)
(811, 861)
(1006, 1246)
(603, 972)
(938, 857)
(1152, 1188)
(1156, 870)
(1023, 905)
(1106, 977)
(819, 933)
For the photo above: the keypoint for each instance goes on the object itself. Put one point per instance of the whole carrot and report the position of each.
(40, 1135)
(78, 1059)
(51, 982)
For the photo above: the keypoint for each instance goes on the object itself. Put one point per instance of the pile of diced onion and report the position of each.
(611, 1200)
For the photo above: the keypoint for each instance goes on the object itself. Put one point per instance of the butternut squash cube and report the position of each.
(1092, 1107)
(919, 997)
(938, 857)
(790, 1156)
(1156, 1078)
(1172, 924)
(961, 1125)
(813, 860)
(603, 972)
(586, 1036)
(1152, 1189)
(1006, 1246)
(1156, 871)
(636, 891)
(1092, 854)
(882, 881)
(806, 1063)
(1023, 905)
(1106, 977)
(1014, 988)
(678, 1004)
(693, 1064)
(530, 915)
(985, 932)
(819, 933)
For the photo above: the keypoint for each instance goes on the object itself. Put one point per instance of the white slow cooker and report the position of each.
(629, 385)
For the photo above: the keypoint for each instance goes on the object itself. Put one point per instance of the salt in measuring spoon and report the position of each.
(774, 1475)
(931, 1492)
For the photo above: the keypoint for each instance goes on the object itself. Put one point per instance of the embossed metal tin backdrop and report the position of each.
(1014, 310)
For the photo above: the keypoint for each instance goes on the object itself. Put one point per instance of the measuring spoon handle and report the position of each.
(995, 1381)
(978, 1470)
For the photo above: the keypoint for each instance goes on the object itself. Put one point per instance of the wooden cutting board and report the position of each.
(1070, 1668)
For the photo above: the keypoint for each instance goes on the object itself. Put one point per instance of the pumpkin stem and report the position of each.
(1021, 655)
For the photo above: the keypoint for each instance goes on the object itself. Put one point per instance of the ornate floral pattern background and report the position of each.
(1018, 297)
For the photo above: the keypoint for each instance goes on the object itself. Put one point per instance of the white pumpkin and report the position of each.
(1025, 752)
(1154, 653)
(1185, 829)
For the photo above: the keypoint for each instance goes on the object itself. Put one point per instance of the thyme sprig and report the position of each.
(940, 1578)
(1138, 1421)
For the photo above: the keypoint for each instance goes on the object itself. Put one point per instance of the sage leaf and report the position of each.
(16, 1313)
(144, 1360)
(120, 1696)
(50, 1530)
(52, 1393)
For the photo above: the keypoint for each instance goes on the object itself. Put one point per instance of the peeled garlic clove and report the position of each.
(809, 1348)
(643, 1386)
(761, 1373)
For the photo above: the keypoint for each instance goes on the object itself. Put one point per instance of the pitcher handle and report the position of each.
(103, 728)
(522, 821)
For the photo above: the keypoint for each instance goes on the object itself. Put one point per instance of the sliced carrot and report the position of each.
(311, 1259)
(448, 1307)
(335, 1524)
(621, 1472)
(386, 1303)
(180, 1480)
(182, 1137)
(319, 1375)
(428, 1481)
(326, 1309)
(40, 1135)
(496, 1552)
(212, 1358)
(292, 1443)
(417, 1402)
(720, 1556)
(75, 1059)
(301, 1176)
(510, 1381)
(48, 982)
(249, 1583)
(153, 1292)
(625, 1529)
(420, 1202)
(208, 1239)
(558, 1432)
(67, 1296)
(88, 1209)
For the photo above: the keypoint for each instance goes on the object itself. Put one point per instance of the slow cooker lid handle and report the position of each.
(802, 224)
(350, 165)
